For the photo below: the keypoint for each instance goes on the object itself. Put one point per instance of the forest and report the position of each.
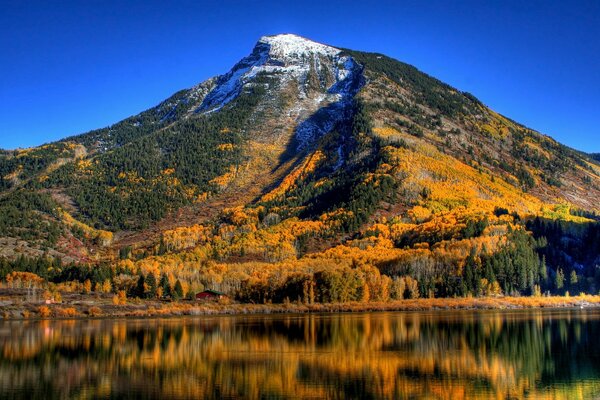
(267, 252)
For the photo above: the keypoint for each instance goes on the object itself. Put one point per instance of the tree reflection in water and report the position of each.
(445, 355)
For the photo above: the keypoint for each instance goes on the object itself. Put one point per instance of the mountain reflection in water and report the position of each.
(434, 355)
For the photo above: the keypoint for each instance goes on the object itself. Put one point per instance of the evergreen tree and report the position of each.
(178, 291)
(162, 248)
(543, 271)
(165, 285)
(573, 280)
(140, 287)
(472, 274)
(125, 252)
(152, 286)
(559, 280)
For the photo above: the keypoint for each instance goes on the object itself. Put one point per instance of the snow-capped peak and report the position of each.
(321, 75)
(289, 45)
(288, 55)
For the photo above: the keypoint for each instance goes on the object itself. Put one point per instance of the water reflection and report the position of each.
(446, 355)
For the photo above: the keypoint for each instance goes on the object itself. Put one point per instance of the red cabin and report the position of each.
(210, 295)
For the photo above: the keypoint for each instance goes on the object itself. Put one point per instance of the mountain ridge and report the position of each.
(299, 152)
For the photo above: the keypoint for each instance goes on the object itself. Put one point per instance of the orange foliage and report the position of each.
(44, 311)
(224, 180)
(24, 279)
(225, 147)
(308, 165)
(186, 237)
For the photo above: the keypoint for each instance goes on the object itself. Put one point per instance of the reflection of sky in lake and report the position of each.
(446, 355)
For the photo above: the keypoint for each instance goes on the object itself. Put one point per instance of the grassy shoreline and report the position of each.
(95, 306)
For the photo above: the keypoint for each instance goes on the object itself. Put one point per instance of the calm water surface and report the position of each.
(435, 355)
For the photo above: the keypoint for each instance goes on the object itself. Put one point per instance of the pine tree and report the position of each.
(543, 271)
(151, 282)
(573, 280)
(471, 273)
(162, 248)
(165, 285)
(140, 287)
(178, 290)
(559, 280)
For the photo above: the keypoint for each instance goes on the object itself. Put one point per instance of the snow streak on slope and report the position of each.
(336, 104)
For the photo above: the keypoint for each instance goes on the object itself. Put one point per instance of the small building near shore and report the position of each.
(208, 295)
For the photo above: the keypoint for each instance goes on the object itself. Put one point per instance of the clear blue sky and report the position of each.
(70, 66)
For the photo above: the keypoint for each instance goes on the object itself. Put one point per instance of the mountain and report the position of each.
(304, 166)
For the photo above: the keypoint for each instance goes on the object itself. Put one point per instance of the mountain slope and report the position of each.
(305, 157)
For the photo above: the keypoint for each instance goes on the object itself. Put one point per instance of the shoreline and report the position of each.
(102, 308)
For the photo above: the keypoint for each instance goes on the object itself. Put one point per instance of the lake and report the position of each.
(455, 355)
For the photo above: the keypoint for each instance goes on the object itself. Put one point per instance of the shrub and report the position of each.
(44, 311)
(120, 298)
(94, 311)
(66, 312)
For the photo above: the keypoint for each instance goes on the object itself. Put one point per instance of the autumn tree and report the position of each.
(397, 288)
(87, 286)
(24, 279)
(412, 288)
(106, 286)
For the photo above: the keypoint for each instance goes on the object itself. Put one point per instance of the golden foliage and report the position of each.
(224, 180)
(44, 311)
(440, 182)
(308, 165)
(65, 312)
(225, 147)
(94, 311)
(186, 237)
(120, 298)
(104, 238)
(24, 279)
